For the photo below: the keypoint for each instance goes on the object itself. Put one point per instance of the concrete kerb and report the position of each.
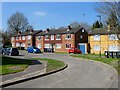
(30, 76)
(116, 74)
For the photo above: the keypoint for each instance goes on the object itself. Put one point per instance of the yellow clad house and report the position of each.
(102, 39)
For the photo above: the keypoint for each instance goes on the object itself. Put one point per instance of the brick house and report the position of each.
(101, 39)
(24, 39)
(62, 39)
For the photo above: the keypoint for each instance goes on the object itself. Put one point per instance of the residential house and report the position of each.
(24, 39)
(63, 39)
(103, 39)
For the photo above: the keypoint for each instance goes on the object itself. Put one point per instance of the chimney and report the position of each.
(31, 30)
(69, 28)
(47, 30)
(19, 32)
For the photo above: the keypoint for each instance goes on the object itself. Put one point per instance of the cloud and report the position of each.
(39, 13)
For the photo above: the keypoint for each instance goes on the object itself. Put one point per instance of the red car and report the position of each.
(74, 50)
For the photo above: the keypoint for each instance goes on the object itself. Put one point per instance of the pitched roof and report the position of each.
(60, 31)
(27, 33)
(104, 31)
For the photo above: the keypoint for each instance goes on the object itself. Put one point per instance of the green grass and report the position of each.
(13, 65)
(51, 64)
(61, 52)
(114, 62)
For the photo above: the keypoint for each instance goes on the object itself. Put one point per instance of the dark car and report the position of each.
(11, 51)
(33, 49)
(74, 50)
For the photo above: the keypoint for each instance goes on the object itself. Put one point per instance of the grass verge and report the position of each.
(51, 64)
(13, 65)
(114, 62)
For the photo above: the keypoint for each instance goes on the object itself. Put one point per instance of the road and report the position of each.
(79, 74)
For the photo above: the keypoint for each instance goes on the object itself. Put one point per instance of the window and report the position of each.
(81, 36)
(97, 37)
(39, 37)
(39, 45)
(12, 44)
(83, 30)
(17, 38)
(29, 44)
(58, 46)
(17, 44)
(12, 38)
(29, 37)
(113, 47)
(23, 37)
(68, 46)
(113, 37)
(96, 47)
(52, 37)
(58, 37)
(22, 44)
(47, 45)
(68, 36)
(46, 37)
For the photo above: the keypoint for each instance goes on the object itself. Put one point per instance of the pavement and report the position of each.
(37, 68)
(80, 73)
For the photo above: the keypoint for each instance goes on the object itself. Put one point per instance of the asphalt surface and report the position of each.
(79, 74)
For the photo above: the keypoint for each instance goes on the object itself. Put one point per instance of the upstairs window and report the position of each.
(96, 37)
(68, 36)
(46, 37)
(58, 37)
(113, 37)
(17, 38)
(23, 37)
(81, 37)
(83, 30)
(39, 37)
(12, 38)
(52, 37)
(29, 37)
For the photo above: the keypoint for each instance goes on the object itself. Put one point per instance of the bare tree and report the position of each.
(17, 22)
(110, 11)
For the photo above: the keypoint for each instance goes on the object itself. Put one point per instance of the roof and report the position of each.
(59, 31)
(27, 33)
(104, 31)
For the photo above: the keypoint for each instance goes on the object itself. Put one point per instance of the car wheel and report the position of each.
(69, 52)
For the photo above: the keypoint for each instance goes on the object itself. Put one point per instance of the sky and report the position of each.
(42, 15)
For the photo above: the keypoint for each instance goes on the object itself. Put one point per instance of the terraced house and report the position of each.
(24, 39)
(103, 39)
(62, 39)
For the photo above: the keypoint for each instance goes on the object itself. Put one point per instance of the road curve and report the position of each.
(79, 74)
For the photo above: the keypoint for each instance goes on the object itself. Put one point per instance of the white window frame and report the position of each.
(39, 37)
(46, 38)
(96, 47)
(57, 37)
(29, 37)
(12, 38)
(17, 38)
(17, 44)
(58, 46)
(52, 37)
(113, 37)
(83, 30)
(23, 37)
(96, 37)
(68, 46)
(67, 37)
(113, 47)
(81, 37)
(12, 44)
(47, 45)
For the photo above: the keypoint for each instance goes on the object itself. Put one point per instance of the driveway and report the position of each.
(79, 74)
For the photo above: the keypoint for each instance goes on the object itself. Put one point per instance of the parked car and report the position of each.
(11, 51)
(1, 50)
(33, 49)
(74, 50)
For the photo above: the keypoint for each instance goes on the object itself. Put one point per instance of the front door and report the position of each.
(82, 48)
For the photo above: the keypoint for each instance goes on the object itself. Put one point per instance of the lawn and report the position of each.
(51, 64)
(12, 65)
(114, 62)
